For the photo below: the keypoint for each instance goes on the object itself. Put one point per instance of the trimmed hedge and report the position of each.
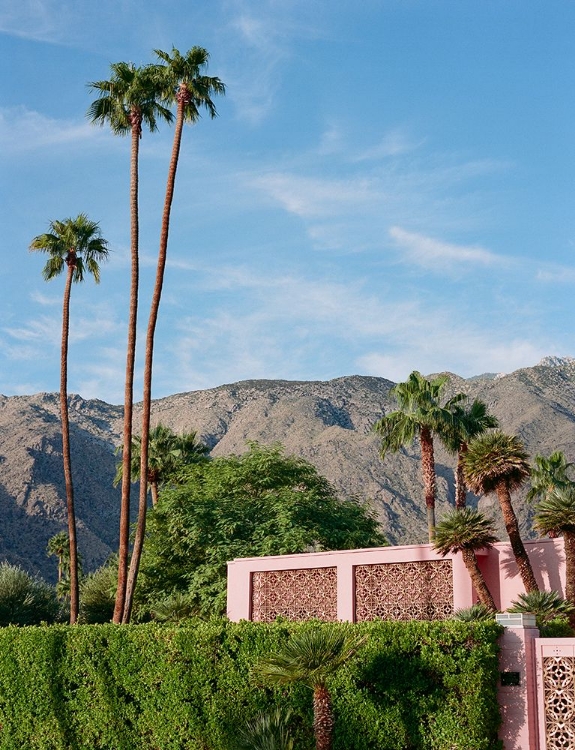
(116, 687)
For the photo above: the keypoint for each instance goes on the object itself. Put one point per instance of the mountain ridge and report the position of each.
(326, 422)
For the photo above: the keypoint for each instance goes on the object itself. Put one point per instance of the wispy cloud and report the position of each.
(437, 255)
(22, 130)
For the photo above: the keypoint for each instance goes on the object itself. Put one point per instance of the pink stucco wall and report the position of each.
(497, 565)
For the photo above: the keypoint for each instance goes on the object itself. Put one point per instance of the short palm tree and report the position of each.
(59, 545)
(128, 101)
(182, 81)
(311, 657)
(167, 452)
(420, 416)
(77, 246)
(467, 530)
(470, 420)
(556, 513)
(545, 605)
(476, 613)
(548, 474)
(266, 732)
(496, 462)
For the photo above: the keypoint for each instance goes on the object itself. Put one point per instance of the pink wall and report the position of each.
(497, 565)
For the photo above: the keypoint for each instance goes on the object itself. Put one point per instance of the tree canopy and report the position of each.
(260, 503)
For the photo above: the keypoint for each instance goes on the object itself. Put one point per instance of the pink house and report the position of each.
(537, 691)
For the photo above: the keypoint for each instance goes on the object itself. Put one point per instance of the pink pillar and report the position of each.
(517, 689)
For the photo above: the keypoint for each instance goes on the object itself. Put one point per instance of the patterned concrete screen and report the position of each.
(556, 693)
(295, 594)
(420, 590)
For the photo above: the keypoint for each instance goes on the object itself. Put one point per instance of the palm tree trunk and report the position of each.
(154, 493)
(512, 528)
(124, 543)
(322, 719)
(477, 579)
(74, 588)
(460, 485)
(147, 394)
(569, 542)
(429, 483)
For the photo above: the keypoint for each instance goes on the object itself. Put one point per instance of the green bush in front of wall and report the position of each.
(168, 687)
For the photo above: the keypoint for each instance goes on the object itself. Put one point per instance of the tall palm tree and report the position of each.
(127, 102)
(548, 474)
(556, 514)
(167, 451)
(183, 83)
(420, 415)
(466, 530)
(496, 462)
(470, 420)
(311, 657)
(77, 245)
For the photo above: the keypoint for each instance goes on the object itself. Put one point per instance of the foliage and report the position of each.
(175, 607)
(25, 600)
(98, 593)
(260, 503)
(545, 605)
(422, 685)
(556, 512)
(548, 474)
(476, 613)
(268, 731)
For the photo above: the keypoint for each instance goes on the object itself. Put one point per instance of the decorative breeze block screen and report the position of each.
(559, 696)
(295, 594)
(404, 591)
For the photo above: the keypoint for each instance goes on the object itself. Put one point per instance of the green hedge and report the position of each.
(413, 685)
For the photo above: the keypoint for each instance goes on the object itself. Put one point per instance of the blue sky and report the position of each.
(388, 187)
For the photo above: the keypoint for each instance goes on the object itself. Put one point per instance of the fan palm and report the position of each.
(548, 474)
(470, 420)
(167, 451)
(467, 530)
(496, 462)
(59, 545)
(127, 102)
(420, 415)
(77, 246)
(311, 657)
(556, 513)
(545, 605)
(266, 732)
(183, 83)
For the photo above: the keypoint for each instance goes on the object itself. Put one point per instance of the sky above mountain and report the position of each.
(388, 186)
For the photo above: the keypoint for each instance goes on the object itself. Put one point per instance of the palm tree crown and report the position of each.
(74, 244)
(129, 99)
(548, 474)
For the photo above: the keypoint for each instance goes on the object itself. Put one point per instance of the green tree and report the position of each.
(183, 83)
(556, 514)
(98, 591)
(467, 530)
(496, 462)
(77, 245)
(25, 600)
(128, 101)
(470, 420)
(312, 657)
(167, 452)
(548, 474)
(420, 416)
(260, 503)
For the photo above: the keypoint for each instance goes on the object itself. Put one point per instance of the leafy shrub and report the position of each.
(25, 600)
(98, 594)
(420, 685)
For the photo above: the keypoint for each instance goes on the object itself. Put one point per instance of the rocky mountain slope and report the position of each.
(329, 423)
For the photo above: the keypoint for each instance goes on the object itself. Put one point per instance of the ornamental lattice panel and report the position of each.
(559, 697)
(404, 591)
(295, 594)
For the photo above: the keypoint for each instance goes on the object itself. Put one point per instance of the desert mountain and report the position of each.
(328, 423)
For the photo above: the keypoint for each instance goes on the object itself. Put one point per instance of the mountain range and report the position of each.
(328, 423)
